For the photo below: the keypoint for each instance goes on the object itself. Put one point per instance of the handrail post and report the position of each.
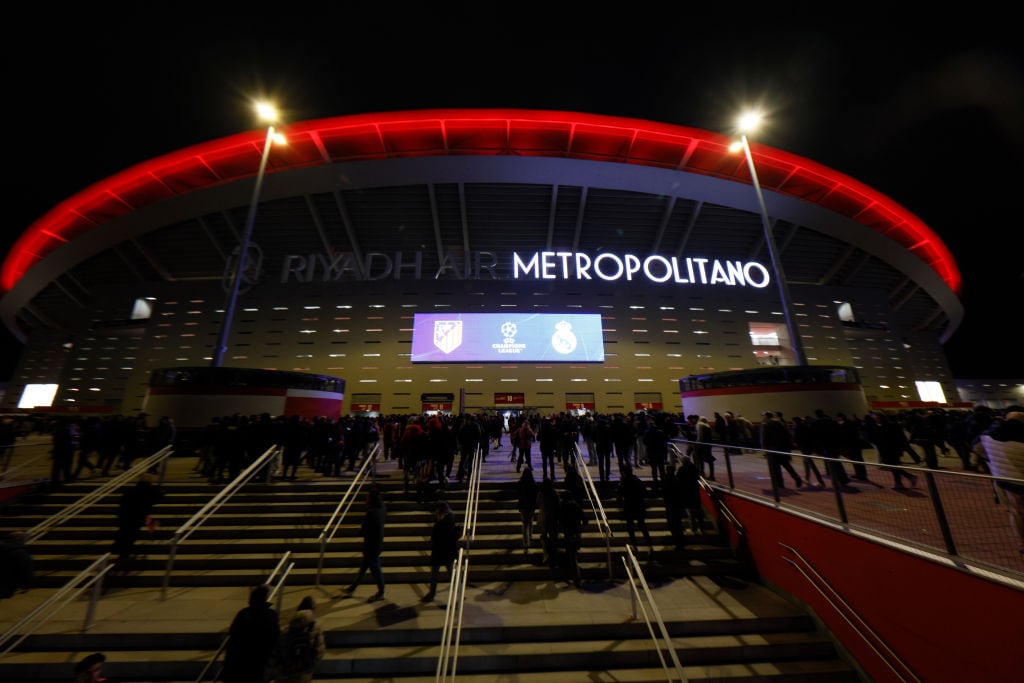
(320, 561)
(97, 591)
(170, 564)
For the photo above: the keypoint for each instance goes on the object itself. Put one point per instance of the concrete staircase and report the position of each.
(523, 621)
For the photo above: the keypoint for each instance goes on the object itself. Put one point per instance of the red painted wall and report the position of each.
(944, 623)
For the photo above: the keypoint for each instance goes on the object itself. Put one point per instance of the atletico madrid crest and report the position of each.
(447, 335)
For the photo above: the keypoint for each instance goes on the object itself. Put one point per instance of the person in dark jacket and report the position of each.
(134, 512)
(632, 496)
(373, 542)
(16, 564)
(252, 639)
(547, 520)
(526, 490)
(572, 519)
(444, 545)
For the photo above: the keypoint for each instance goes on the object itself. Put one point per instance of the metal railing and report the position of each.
(32, 464)
(451, 632)
(74, 508)
(899, 668)
(454, 611)
(92, 576)
(268, 459)
(953, 513)
(472, 501)
(643, 604)
(595, 505)
(276, 590)
(367, 468)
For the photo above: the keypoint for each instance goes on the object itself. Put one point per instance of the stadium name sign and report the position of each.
(540, 265)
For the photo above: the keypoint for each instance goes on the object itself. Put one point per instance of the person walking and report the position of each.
(301, 646)
(888, 437)
(777, 443)
(604, 444)
(547, 439)
(444, 545)
(525, 436)
(373, 543)
(632, 497)
(252, 640)
(526, 490)
(547, 520)
(65, 443)
(134, 512)
(804, 442)
(572, 519)
(688, 480)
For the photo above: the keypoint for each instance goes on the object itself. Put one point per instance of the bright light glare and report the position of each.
(735, 147)
(37, 396)
(749, 121)
(266, 111)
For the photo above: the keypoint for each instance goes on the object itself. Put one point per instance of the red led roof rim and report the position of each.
(479, 132)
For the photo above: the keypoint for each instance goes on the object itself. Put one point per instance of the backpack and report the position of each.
(298, 652)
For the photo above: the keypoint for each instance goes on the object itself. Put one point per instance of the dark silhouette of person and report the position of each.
(632, 496)
(16, 564)
(572, 519)
(888, 436)
(444, 545)
(373, 542)
(252, 640)
(526, 491)
(777, 442)
(827, 440)
(547, 520)
(134, 511)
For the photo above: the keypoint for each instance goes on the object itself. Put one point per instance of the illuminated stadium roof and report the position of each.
(482, 179)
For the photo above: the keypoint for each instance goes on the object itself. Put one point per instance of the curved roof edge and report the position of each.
(442, 132)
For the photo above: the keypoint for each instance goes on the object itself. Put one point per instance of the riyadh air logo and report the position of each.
(250, 273)
(447, 335)
(563, 340)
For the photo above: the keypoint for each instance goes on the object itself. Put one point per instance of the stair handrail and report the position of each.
(27, 625)
(662, 639)
(472, 501)
(596, 506)
(75, 507)
(337, 517)
(452, 629)
(275, 590)
(5, 475)
(185, 530)
(875, 642)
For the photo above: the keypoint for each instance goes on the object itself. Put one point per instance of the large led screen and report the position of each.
(507, 338)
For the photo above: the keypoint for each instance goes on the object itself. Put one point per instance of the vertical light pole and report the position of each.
(267, 113)
(749, 122)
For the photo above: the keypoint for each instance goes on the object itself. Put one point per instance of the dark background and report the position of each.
(927, 110)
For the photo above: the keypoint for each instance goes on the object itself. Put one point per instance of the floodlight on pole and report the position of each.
(266, 112)
(748, 122)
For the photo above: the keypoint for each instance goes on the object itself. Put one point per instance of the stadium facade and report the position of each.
(367, 224)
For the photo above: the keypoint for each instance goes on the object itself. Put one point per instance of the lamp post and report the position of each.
(267, 113)
(749, 122)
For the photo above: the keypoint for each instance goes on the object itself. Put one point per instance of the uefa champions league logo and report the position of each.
(508, 331)
(563, 340)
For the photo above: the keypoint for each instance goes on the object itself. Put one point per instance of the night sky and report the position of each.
(927, 110)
